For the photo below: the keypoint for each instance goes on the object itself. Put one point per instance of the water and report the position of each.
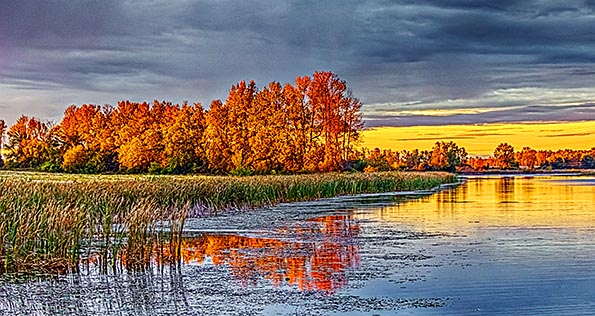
(492, 246)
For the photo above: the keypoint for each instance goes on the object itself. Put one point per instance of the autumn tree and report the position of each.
(311, 126)
(85, 133)
(298, 140)
(270, 136)
(131, 120)
(504, 156)
(183, 139)
(239, 108)
(527, 157)
(28, 143)
(478, 163)
(336, 117)
(447, 156)
(217, 138)
(415, 159)
(542, 156)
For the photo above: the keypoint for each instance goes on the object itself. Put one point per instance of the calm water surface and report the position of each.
(491, 246)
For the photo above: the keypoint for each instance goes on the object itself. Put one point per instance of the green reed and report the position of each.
(48, 222)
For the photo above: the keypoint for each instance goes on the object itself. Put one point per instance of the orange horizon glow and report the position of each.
(482, 139)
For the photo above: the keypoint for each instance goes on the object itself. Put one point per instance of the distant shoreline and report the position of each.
(530, 172)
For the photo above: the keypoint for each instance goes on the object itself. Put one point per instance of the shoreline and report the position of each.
(574, 172)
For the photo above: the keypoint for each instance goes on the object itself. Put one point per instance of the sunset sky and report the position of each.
(474, 65)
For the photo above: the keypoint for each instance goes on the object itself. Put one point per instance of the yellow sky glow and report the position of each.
(482, 139)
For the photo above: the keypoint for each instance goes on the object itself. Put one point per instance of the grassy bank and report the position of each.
(48, 222)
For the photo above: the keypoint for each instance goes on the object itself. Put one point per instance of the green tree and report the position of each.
(588, 162)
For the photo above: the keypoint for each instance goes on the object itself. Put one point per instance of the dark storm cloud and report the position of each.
(54, 53)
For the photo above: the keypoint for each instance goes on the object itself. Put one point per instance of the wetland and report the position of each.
(493, 245)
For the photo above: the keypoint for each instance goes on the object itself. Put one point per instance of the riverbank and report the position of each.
(48, 222)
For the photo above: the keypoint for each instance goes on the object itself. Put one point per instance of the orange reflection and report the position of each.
(313, 256)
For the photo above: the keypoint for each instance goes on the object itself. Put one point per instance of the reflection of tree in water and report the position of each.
(313, 256)
(505, 189)
(316, 257)
(451, 196)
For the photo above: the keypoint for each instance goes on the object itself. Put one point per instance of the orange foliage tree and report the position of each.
(527, 157)
(335, 116)
(86, 139)
(217, 138)
(28, 143)
(182, 139)
(447, 156)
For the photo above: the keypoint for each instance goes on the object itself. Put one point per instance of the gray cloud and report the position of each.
(580, 112)
(405, 54)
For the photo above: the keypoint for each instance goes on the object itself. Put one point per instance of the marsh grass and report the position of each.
(49, 222)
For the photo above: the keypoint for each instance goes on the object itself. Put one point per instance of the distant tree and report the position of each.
(542, 157)
(504, 156)
(527, 157)
(376, 161)
(447, 156)
(478, 163)
(588, 162)
(415, 160)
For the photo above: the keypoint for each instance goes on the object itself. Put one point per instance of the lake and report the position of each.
(498, 245)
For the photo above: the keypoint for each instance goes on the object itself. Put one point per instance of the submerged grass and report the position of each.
(49, 222)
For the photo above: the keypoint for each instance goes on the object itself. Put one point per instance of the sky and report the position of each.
(411, 62)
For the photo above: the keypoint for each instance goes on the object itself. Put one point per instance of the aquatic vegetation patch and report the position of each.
(49, 222)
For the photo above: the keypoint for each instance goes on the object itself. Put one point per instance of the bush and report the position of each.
(49, 166)
(241, 171)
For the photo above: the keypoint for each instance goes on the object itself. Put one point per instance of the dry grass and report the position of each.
(49, 221)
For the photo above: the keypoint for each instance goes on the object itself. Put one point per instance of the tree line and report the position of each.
(309, 126)
(444, 156)
(505, 157)
(450, 157)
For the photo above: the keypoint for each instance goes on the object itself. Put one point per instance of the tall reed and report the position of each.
(48, 222)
